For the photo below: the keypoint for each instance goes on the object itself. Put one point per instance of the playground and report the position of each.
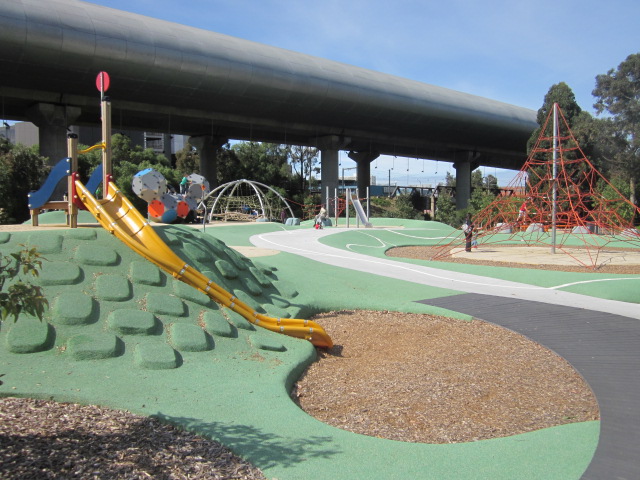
(175, 322)
(265, 365)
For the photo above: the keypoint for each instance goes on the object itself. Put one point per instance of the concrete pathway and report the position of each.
(305, 242)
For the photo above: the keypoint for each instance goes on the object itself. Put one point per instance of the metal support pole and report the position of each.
(554, 208)
(72, 152)
(335, 204)
(346, 205)
(106, 138)
(368, 205)
(354, 208)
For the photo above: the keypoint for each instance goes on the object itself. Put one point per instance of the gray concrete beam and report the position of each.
(363, 162)
(52, 122)
(330, 147)
(208, 146)
(463, 178)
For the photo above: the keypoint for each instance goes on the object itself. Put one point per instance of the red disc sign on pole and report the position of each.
(102, 82)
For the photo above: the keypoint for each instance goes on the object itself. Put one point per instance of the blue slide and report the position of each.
(38, 198)
(95, 180)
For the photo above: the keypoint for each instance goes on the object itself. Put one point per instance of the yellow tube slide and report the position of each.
(117, 215)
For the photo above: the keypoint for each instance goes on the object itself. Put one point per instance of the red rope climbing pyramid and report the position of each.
(557, 199)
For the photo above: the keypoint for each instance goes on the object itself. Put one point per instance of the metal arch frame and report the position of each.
(235, 184)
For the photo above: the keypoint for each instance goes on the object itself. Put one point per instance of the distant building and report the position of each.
(26, 133)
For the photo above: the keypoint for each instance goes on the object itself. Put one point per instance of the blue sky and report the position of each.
(507, 50)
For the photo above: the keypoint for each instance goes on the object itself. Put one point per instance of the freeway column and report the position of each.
(330, 147)
(208, 146)
(463, 179)
(363, 161)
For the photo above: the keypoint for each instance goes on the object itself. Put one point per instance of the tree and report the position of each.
(20, 296)
(307, 159)
(21, 170)
(187, 160)
(561, 94)
(262, 162)
(618, 93)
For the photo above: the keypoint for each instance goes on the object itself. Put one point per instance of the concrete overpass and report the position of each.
(172, 78)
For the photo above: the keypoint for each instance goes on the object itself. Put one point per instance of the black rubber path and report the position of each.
(604, 348)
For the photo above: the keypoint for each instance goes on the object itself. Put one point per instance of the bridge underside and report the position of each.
(181, 80)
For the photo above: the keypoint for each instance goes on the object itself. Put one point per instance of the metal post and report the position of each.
(326, 199)
(368, 205)
(346, 205)
(335, 204)
(554, 208)
(72, 152)
(106, 138)
(354, 208)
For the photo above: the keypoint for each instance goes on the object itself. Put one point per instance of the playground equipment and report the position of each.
(360, 215)
(119, 217)
(558, 202)
(41, 199)
(166, 206)
(246, 200)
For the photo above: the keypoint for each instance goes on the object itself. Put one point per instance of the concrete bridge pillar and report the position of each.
(463, 179)
(52, 122)
(363, 162)
(330, 147)
(208, 146)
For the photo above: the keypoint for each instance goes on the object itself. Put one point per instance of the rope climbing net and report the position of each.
(557, 199)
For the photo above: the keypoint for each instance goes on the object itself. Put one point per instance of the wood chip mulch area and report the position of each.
(432, 379)
(47, 440)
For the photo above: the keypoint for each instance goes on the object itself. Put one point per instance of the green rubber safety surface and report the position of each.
(157, 347)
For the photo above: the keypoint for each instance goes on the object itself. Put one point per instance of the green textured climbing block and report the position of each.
(189, 338)
(286, 289)
(171, 239)
(260, 277)
(97, 255)
(133, 322)
(238, 320)
(251, 286)
(248, 300)
(93, 346)
(163, 304)
(60, 273)
(214, 246)
(4, 237)
(238, 260)
(262, 343)
(73, 309)
(216, 324)
(113, 287)
(277, 312)
(82, 233)
(155, 356)
(226, 269)
(29, 335)
(187, 292)
(46, 242)
(279, 301)
(146, 273)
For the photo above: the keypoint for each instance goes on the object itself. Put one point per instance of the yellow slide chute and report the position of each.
(117, 215)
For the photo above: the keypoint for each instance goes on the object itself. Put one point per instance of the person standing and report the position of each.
(467, 228)
(183, 185)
